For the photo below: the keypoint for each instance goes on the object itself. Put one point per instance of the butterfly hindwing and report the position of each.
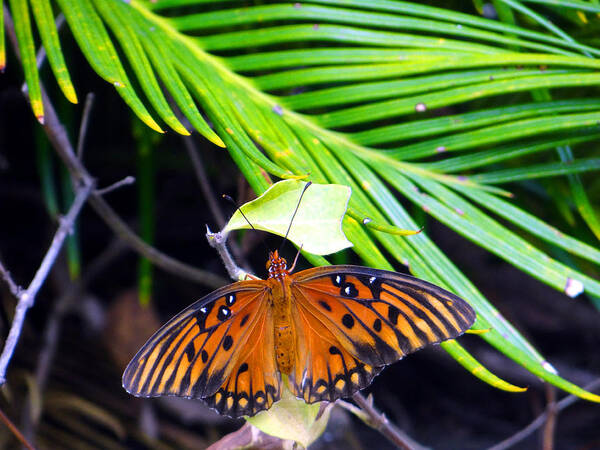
(324, 369)
(216, 349)
(373, 317)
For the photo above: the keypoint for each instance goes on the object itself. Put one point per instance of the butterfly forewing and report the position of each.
(370, 317)
(219, 349)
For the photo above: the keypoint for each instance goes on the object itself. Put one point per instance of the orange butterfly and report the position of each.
(331, 330)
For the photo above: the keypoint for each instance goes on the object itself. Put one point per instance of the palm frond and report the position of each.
(343, 92)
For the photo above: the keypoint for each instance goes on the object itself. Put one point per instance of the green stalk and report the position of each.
(146, 210)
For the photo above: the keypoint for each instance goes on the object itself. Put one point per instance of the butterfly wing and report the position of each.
(354, 320)
(219, 349)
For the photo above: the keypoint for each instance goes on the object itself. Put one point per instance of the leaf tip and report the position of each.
(182, 130)
(218, 141)
(478, 331)
(514, 388)
(71, 95)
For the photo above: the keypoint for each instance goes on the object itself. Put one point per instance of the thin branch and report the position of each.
(52, 330)
(83, 128)
(209, 194)
(381, 423)
(541, 419)
(205, 187)
(60, 141)
(124, 182)
(58, 136)
(12, 286)
(11, 426)
(27, 298)
(160, 259)
(218, 242)
(551, 418)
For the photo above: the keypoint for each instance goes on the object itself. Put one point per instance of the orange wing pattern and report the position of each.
(354, 320)
(219, 349)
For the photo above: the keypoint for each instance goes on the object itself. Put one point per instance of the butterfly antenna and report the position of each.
(238, 208)
(294, 215)
(230, 199)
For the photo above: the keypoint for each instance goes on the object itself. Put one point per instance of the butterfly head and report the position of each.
(276, 265)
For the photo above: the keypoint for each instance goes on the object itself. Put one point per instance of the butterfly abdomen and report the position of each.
(283, 328)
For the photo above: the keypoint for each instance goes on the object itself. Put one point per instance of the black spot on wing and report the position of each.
(224, 313)
(338, 279)
(227, 342)
(348, 321)
(204, 356)
(334, 350)
(189, 351)
(325, 305)
(348, 290)
(373, 283)
(202, 313)
(377, 325)
(230, 299)
(244, 320)
(393, 313)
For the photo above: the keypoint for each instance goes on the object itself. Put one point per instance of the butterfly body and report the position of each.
(280, 299)
(331, 330)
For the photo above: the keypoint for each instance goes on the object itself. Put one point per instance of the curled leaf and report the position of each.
(317, 226)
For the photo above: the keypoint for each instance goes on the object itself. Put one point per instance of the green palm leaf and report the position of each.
(341, 92)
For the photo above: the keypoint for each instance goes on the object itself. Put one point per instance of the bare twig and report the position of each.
(205, 187)
(157, 257)
(85, 119)
(27, 298)
(57, 135)
(11, 426)
(60, 141)
(551, 418)
(12, 286)
(381, 423)
(63, 305)
(209, 195)
(124, 182)
(541, 419)
(53, 327)
(218, 242)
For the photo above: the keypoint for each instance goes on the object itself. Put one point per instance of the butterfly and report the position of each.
(330, 330)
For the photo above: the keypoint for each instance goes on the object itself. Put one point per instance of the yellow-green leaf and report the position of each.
(317, 226)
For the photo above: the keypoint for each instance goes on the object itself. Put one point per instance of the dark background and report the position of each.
(82, 405)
